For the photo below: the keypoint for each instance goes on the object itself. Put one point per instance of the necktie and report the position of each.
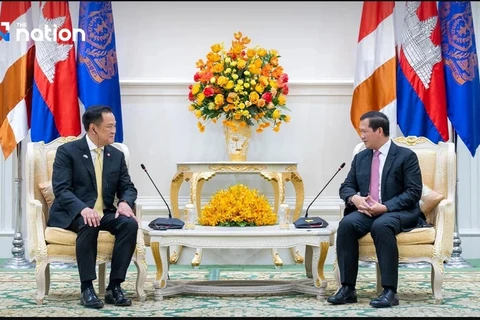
(98, 174)
(375, 176)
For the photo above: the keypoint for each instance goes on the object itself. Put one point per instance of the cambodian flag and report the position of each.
(97, 68)
(421, 100)
(461, 71)
(55, 110)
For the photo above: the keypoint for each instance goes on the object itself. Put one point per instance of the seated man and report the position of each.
(87, 174)
(382, 191)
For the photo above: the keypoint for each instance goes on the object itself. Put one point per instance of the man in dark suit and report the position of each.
(81, 207)
(381, 191)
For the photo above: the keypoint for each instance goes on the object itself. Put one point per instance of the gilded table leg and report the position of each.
(318, 260)
(277, 261)
(161, 261)
(176, 255)
(296, 255)
(197, 259)
(196, 184)
(276, 193)
(299, 194)
(321, 262)
(174, 189)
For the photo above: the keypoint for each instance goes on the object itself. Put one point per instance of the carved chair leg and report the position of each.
(141, 278)
(437, 278)
(41, 281)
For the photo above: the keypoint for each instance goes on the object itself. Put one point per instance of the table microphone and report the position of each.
(315, 222)
(163, 223)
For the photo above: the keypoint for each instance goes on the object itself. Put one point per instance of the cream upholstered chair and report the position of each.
(432, 244)
(47, 244)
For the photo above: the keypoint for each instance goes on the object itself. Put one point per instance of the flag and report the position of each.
(97, 67)
(55, 110)
(16, 74)
(374, 83)
(461, 71)
(421, 99)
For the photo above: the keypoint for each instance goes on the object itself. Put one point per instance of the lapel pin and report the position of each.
(85, 156)
(108, 154)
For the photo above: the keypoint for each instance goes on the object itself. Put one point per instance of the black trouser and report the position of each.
(383, 229)
(125, 231)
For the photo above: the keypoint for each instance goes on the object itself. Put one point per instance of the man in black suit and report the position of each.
(381, 192)
(81, 207)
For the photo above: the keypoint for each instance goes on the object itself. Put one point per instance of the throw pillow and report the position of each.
(47, 192)
(429, 200)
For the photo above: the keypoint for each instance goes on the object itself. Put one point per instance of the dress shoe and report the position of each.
(343, 295)
(386, 299)
(89, 299)
(116, 297)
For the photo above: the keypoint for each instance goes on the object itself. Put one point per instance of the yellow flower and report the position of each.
(240, 83)
(238, 206)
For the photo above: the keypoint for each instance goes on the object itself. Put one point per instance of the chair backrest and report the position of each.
(39, 165)
(437, 163)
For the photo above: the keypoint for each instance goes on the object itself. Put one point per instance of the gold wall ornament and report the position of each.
(237, 139)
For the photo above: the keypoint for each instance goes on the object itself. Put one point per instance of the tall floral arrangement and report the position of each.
(242, 85)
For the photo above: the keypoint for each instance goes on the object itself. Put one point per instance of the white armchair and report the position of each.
(433, 245)
(47, 244)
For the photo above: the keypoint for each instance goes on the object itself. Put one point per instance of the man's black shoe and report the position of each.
(116, 297)
(386, 299)
(344, 295)
(89, 299)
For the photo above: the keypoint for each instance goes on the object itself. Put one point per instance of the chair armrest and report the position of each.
(444, 228)
(36, 224)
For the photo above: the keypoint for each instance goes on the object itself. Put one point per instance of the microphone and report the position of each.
(163, 223)
(340, 168)
(315, 222)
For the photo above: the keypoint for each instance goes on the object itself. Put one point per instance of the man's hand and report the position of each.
(124, 210)
(376, 208)
(362, 205)
(90, 217)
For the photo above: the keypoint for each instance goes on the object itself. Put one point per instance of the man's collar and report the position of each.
(91, 145)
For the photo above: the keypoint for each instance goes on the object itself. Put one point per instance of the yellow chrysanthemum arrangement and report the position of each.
(243, 85)
(238, 206)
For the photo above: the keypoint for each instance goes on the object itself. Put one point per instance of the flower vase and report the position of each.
(237, 139)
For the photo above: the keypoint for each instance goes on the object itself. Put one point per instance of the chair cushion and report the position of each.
(47, 192)
(68, 238)
(415, 236)
(429, 200)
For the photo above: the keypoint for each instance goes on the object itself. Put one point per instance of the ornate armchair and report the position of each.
(432, 244)
(47, 244)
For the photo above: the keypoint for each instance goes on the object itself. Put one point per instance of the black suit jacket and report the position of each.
(75, 187)
(401, 184)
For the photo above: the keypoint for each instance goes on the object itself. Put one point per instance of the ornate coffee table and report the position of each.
(265, 237)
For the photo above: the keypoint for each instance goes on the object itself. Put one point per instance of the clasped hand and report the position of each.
(368, 206)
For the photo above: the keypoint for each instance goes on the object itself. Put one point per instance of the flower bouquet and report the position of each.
(243, 85)
(238, 206)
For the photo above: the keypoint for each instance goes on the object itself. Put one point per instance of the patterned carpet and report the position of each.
(460, 290)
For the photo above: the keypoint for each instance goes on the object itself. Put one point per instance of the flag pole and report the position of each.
(18, 261)
(456, 260)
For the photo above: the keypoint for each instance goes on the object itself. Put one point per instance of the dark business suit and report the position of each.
(401, 189)
(75, 188)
